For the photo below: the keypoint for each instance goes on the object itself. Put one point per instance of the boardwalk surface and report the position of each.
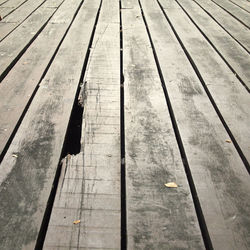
(103, 102)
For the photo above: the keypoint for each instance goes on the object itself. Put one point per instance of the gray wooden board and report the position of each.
(236, 29)
(230, 96)
(221, 180)
(234, 54)
(52, 3)
(10, 7)
(17, 88)
(4, 11)
(13, 3)
(14, 19)
(3, 1)
(157, 217)
(90, 190)
(18, 39)
(26, 180)
(240, 14)
(242, 4)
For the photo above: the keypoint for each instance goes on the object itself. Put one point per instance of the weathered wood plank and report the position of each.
(242, 4)
(157, 217)
(26, 180)
(235, 11)
(233, 53)
(221, 180)
(230, 24)
(92, 178)
(10, 6)
(15, 44)
(230, 96)
(17, 88)
(3, 1)
(13, 20)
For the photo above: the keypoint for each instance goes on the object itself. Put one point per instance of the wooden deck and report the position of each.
(103, 102)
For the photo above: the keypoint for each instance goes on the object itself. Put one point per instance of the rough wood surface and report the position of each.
(218, 172)
(185, 114)
(229, 95)
(242, 4)
(26, 180)
(157, 217)
(235, 28)
(235, 11)
(90, 187)
(232, 52)
(18, 86)
(13, 20)
(10, 6)
(17, 41)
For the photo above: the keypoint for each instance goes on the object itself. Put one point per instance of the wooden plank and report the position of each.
(242, 4)
(13, 3)
(17, 88)
(240, 15)
(221, 180)
(3, 1)
(157, 217)
(230, 24)
(230, 96)
(92, 177)
(26, 180)
(10, 6)
(235, 55)
(13, 20)
(17, 42)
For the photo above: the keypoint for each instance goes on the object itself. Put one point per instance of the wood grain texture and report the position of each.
(230, 96)
(242, 4)
(221, 180)
(18, 40)
(10, 6)
(17, 88)
(157, 217)
(234, 54)
(13, 20)
(236, 29)
(91, 182)
(26, 181)
(234, 10)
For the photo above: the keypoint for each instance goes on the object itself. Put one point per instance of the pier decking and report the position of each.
(103, 102)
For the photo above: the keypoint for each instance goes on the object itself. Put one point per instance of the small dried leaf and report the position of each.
(76, 222)
(228, 141)
(171, 185)
(14, 155)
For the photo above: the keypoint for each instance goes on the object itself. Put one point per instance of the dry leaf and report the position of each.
(76, 222)
(14, 155)
(171, 185)
(228, 141)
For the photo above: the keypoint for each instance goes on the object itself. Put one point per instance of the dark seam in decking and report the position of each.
(122, 136)
(239, 6)
(231, 14)
(200, 216)
(12, 64)
(241, 154)
(47, 214)
(214, 47)
(222, 27)
(23, 20)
